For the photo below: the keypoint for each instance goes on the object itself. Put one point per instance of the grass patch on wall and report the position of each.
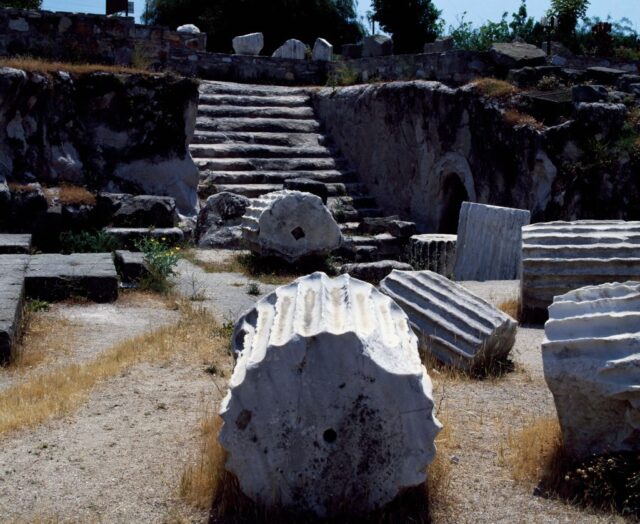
(494, 88)
(48, 67)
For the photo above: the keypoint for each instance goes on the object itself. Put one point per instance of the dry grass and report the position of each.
(491, 370)
(511, 307)
(516, 118)
(17, 187)
(494, 88)
(47, 67)
(69, 194)
(197, 337)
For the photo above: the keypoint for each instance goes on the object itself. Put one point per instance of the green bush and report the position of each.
(161, 261)
(88, 242)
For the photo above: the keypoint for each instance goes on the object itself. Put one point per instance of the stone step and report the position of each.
(128, 236)
(349, 228)
(230, 88)
(12, 273)
(14, 244)
(248, 190)
(246, 111)
(254, 100)
(346, 188)
(356, 201)
(330, 177)
(270, 164)
(276, 125)
(270, 139)
(385, 244)
(216, 151)
(57, 277)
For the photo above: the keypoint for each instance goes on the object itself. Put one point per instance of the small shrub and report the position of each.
(253, 289)
(141, 57)
(88, 242)
(548, 83)
(494, 88)
(161, 261)
(35, 306)
(343, 75)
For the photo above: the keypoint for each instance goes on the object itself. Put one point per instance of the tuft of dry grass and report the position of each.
(197, 337)
(511, 307)
(516, 118)
(70, 195)
(48, 67)
(494, 88)
(17, 187)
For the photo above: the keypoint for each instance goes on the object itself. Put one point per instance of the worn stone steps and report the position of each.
(264, 138)
(276, 125)
(270, 164)
(330, 177)
(249, 190)
(14, 244)
(255, 100)
(227, 111)
(230, 88)
(217, 151)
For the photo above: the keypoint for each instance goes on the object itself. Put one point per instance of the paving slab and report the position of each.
(57, 277)
(131, 265)
(12, 272)
(14, 244)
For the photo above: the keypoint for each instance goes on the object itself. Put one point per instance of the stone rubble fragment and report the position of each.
(374, 272)
(433, 252)
(250, 44)
(489, 242)
(292, 49)
(329, 408)
(290, 225)
(591, 356)
(322, 51)
(558, 257)
(189, 28)
(453, 324)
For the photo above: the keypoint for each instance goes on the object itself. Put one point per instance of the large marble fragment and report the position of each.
(434, 252)
(329, 408)
(489, 242)
(453, 324)
(290, 225)
(558, 257)
(292, 49)
(591, 356)
(250, 44)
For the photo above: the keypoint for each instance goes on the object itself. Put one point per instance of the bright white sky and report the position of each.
(478, 12)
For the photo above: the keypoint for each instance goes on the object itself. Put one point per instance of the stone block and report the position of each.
(558, 257)
(441, 45)
(292, 49)
(131, 266)
(189, 29)
(377, 45)
(489, 242)
(589, 93)
(87, 275)
(329, 397)
(433, 252)
(402, 228)
(12, 272)
(605, 75)
(250, 44)
(305, 185)
(516, 55)
(454, 325)
(123, 210)
(128, 236)
(625, 82)
(591, 357)
(376, 225)
(220, 219)
(14, 244)
(322, 51)
(290, 225)
(374, 272)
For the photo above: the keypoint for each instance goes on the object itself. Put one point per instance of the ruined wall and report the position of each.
(90, 38)
(101, 130)
(423, 148)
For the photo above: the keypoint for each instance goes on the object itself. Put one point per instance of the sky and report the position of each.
(477, 11)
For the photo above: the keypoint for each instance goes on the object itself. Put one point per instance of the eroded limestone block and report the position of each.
(558, 257)
(290, 225)
(433, 252)
(250, 44)
(377, 45)
(453, 324)
(489, 242)
(292, 49)
(189, 28)
(329, 408)
(374, 272)
(591, 356)
(220, 219)
(322, 50)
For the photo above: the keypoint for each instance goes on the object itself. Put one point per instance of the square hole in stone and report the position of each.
(298, 233)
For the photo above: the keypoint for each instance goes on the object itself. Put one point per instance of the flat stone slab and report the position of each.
(57, 277)
(15, 244)
(12, 271)
(131, 266)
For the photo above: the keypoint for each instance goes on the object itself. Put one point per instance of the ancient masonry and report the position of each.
(250, 140)
(328, 376)
(452, 324)
(558, 257)
(591, 357)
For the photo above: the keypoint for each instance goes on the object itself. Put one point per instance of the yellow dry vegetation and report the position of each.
(197, 337)
(494, 88)
(516, 118)
(48, 67)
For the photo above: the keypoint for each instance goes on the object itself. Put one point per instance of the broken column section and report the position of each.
(329, 410)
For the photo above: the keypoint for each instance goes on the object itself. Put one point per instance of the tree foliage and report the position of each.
(567, 14)
(22, 4)
(279, 20)
(412, 23)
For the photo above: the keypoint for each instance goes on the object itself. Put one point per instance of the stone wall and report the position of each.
(104, 131)
(423, 148)
(90, 38)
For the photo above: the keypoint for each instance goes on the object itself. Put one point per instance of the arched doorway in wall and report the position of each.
(453, 195)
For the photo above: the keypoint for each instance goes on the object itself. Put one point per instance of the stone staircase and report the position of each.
(250, 139)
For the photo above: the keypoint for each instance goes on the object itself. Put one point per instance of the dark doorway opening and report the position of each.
(453, 195)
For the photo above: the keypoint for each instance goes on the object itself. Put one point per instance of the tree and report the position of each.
(412, 23)
(567, 13)
(279, 20)
(22, 4)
